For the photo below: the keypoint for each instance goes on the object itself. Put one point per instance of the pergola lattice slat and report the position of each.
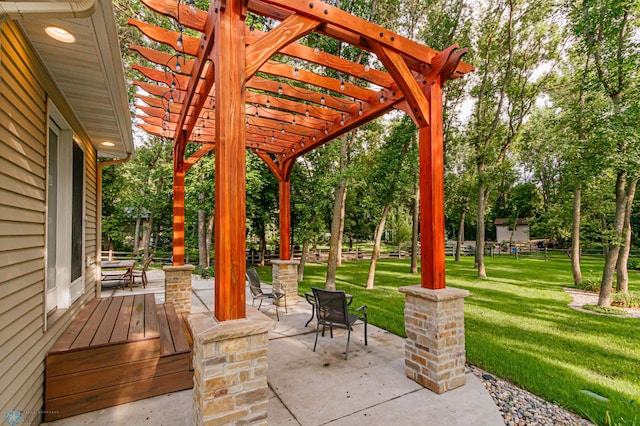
(281, 99)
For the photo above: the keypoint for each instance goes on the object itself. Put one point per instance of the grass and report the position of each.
(519, 327)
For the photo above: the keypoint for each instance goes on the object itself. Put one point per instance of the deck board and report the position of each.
(150, 316)
(166, 340)
(103, 334)
(121, 329)
(179, 341)
(89, 330)
(136, 325)
(69, 336)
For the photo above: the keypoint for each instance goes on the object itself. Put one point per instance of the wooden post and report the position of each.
(230, 197)
(432, 193)
(178, 209)
(285, 219)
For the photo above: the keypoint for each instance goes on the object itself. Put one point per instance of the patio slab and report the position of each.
(321, 388)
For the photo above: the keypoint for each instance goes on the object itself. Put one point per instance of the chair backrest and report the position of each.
(254, 282)
(331, 305)
(147, 262)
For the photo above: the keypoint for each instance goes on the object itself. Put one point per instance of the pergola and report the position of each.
(236, 88)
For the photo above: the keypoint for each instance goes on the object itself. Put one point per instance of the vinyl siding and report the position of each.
(25, 87)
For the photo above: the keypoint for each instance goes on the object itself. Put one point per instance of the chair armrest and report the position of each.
(310, 299)
(362, 309)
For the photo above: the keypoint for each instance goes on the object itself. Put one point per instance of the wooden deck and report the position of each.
(117, 350)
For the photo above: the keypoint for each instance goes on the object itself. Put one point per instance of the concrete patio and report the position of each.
(308, 388)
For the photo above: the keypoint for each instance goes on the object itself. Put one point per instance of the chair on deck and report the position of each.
(259, 293)
(142, 274)
(332, 310)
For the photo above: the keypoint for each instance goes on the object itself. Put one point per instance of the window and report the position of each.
(65, 214)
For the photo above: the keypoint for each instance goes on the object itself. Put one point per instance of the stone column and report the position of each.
(285, 277)
(434, 348)
(230, 369)
(177, 286)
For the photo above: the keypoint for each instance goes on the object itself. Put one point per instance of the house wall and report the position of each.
(520, 235)
(25, 333)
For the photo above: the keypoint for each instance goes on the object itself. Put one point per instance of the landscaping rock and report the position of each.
(519, 407)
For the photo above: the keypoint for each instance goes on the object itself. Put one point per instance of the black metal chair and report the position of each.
(332, 310)
(259, 293)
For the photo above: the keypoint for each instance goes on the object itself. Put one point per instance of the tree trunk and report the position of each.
(480, 236)
(209, 237)
(303, 259)
(332, 262)
(605, 244)
(416, 227)
(263, 248)
(136, 237)
(460, 240)
(376, 247)
(575, 236)
(622, 284)
(340, 234)
(146, 235)
(337, 220)
(604, 300)
(202, 238)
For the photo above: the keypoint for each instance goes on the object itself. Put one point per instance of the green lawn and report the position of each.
(519, 327)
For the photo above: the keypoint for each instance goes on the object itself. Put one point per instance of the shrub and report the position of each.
(590, 284)
(633, 264)
(204, 272)
(623, 300)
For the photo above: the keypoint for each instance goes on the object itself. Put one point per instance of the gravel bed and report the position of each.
(519, 407)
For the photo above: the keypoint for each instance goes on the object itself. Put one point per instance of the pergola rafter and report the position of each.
(280, 99)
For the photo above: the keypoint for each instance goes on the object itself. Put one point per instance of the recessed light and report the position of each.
(60, 34)
(107, 143)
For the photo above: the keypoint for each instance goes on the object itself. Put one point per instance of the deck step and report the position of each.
(117, 350)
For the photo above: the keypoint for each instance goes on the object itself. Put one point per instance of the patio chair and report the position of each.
(142, 274)
(332, 310)
(260, 293)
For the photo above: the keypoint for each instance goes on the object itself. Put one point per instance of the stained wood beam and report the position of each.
(230, 181)
(190, 45)
(350, 29)
(402, 75)
(289, 30)
(308, 54)
(271, 165)
(196, 156)
(338, 86)
(195, 21)
(371, 111)
(431, 155)
(285, 218)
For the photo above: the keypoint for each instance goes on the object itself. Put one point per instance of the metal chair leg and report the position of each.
(346, 353)
(317, 331)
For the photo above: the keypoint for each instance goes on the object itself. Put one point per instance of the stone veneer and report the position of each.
(177, 287)
(285, 277)
(434, 348)
(230, 369)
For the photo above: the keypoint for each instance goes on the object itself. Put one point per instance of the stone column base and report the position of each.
(230, 369)
(434, 348)
(285, 277)
(177, 286)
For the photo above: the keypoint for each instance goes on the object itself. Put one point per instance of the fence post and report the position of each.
(110, 255)
(357, 254)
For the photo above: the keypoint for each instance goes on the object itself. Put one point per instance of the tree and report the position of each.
(513, 39)
(607, 32)
(392, 178)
